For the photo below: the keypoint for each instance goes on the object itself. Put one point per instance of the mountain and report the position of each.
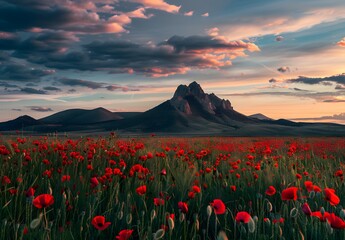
(22, 122)
(82, 116)
(190, 112)
(260, 116)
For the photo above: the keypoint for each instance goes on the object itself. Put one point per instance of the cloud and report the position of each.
(8, 85)
(283, 69)
(67, 16)
(121, 88)
(340, 117)
(339, 79)
(213, 32)
(40, 109)
(159, 5)
(94, 85)
(279, 38)
(341, 43)
(272, 80)
(189, 14)
(81, 83)
(278, 17)
(16, 109)
(334, 100)
(20, 72)
(52, 89)
(339, 87)
(205, 14)
(177, 55)
(32, 91)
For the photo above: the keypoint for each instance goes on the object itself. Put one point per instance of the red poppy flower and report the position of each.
(196, 189)
(191, 195)
(43, 201)
(290, 193)
(308, 185)
(158, 201)
(30, 192)
(183, 207)
(331, 197)
(99, 223)
(278, 220)
(124, 234)
(218, 206)
(141, 190)
(270, 191)
(233, 188)
(319, 215)
(335, 222)
(94, 182)
(306, 209)
(243, 217)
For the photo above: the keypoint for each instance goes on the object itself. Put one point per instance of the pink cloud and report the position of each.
(341, 43)
(205, 15)
(213, 32)
(159, 5)
(189, 14)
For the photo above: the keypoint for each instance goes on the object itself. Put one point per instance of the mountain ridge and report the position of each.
(190, 111)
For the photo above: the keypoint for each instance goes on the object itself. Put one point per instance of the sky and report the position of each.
(281, 58)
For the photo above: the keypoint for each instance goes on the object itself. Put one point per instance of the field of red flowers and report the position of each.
(171, 188)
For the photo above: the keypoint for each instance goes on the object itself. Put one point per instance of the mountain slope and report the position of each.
(22, 122)
(82, 116)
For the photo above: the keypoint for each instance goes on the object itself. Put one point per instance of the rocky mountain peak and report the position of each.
(209, 102)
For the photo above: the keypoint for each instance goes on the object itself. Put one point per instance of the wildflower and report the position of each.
(183, 207)
(290, 193)
(243, 217)
(331, 197)
(43, 201)
(124, 234)
(335, 222)
(218, 206)
(99, 223)
(306, 209)
(270, 191)
(141, 190)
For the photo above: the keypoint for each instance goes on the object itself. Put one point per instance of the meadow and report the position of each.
(171, 188)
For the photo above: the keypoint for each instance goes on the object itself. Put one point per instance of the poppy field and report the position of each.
(171, 188)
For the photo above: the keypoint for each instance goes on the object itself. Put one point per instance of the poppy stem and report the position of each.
(215, 226)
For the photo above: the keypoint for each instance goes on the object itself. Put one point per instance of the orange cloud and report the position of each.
(341, 43)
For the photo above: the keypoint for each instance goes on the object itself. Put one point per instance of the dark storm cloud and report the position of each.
(339, 79)
(80, 83)
(121, 88)
(40, 109)
(4, 55)
(18, 72)
(33, 91)
(204, 43)
(177, 55)
(52, 89)
(8, 85)
(78, 16)
(94, 85)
